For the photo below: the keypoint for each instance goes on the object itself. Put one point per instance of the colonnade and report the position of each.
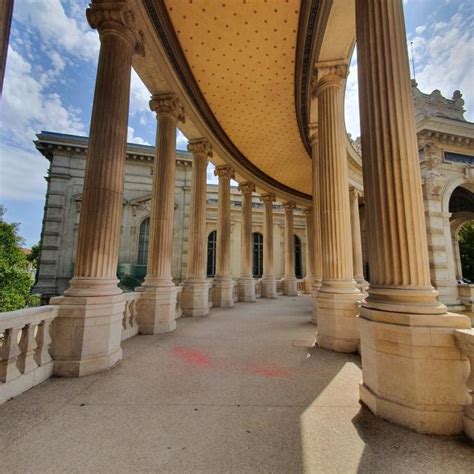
(401, 323)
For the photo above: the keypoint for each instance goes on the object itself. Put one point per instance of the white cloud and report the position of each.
(420, 29)
(22, 174)
(139, 96)
(131, 138)
(57, 29)
(181, 141)
(351, 103)
(211, 179)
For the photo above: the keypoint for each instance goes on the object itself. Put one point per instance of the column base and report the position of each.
(247, 290)
(157, 309)
(337, 310)
(290, 286)
(269, 287)
(195, 297)
(223, 292)
(413, 372)
(86, 334)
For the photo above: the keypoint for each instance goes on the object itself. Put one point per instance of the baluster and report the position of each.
(133, 316)
(26, 360)
(125, 315)
(9, 354)
(43, 341)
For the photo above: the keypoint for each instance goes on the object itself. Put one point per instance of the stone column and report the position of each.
(6, 11)
(223, 289)
(309, 277)
(195, 294)
(289, 280)
(413, 373)
(269, 289)
(87, 330)
(246, 281)
(318, 258)
(157, 304)
(357, 259)
(338, 296)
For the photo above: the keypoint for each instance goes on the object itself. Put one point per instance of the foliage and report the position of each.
(33, 257)
(466, 249)
(15, 279)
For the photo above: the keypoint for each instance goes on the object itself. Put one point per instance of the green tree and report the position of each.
(15, 280)
(33, 257)
(466, 249)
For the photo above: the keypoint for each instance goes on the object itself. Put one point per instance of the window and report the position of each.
(257, 268)
(143, 242)
(298, 269)
(211, 253)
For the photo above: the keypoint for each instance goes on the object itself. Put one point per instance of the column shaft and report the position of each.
(195, 294)
(413, 372)
(289, 281)
(222, 292)
(246, 282)
(338, 295)
(268, 279)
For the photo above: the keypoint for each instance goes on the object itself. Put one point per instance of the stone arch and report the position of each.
(460, 181)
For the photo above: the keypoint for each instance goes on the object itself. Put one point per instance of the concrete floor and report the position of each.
(238, 391)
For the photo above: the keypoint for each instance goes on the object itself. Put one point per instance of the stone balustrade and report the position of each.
(465, 342)
(129, 321)
(301, 286)
(235, 292)
(25, 340)
(179, 311)
(466, 295)
(258, 288)
(279, 284)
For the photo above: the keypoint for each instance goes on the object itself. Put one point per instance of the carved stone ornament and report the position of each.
(247, 187)
(330, 73)
(268, 197)
(224, 171)
(167, 104)
(116, 18)
(289, 205)
(200, 146)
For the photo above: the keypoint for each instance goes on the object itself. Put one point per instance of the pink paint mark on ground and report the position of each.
(269, 371)
(191, 356)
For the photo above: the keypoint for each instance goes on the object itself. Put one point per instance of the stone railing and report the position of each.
(258, 289)
(301, 286)
(129, 321)
(211, 299)
(25, 339)
(466, 295)
(179, 311)
(465, 341)
(279, 286)
(235, 291)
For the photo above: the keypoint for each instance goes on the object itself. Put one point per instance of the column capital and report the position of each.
(199, 147)
(289, 205)
(224, 171)
(167, 104)
(268, 197)
(117, 18)
(308, 211)
(355, 192)
(247, 187)
(329, 73)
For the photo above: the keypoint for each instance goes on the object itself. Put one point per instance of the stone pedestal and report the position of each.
(290, 284)
(87, 330)
(157, 306)
(246, 282)
(223, 286)
(195, 295)
(268, 281)
(413, 372)
(338, 296)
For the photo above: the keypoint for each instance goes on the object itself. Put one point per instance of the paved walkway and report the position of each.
(238, 391)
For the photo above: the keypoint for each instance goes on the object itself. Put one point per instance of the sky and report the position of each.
(50, 76)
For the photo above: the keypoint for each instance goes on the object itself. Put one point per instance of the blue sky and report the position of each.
(50, 75)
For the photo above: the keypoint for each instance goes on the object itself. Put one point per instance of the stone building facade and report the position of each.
(67, 155)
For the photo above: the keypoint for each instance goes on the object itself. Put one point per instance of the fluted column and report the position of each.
(223, 289)
(269, 289)
(246, 281)
(88, 328)
(413, 373)
(338, 295)
(195, 294)
(157, 305)
(309, 277)
(317, 255)
(357, 259)
(289, 280)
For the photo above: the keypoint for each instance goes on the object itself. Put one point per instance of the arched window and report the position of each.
(257, 268)
(211, 253)
(298, 269)
(143, 242)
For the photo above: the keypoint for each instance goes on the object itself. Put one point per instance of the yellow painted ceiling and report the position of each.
(242, 55)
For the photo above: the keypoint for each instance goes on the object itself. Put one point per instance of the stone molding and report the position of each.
(247, 187)
(167, 104)
(118, 19)
(200, 146)
(224, 171)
